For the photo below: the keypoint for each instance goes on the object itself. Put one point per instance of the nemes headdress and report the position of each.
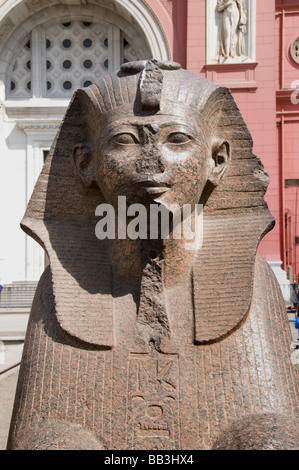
(61, 212)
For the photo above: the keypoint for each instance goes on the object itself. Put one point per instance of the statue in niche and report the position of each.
(232, 31)
(144, 343)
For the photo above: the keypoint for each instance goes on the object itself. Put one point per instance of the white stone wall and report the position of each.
(12, 191)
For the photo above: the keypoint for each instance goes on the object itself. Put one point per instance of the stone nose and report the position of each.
(151, 160)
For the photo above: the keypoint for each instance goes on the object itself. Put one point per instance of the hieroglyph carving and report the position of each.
(153, 410)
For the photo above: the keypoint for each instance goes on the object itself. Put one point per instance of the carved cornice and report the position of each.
(37, 127)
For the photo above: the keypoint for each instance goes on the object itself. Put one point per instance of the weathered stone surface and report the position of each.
(8, 382)
(145, 344)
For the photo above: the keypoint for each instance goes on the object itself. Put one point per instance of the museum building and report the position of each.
(49, 48)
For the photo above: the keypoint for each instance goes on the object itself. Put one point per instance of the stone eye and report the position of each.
(125, 138)
(178, 138)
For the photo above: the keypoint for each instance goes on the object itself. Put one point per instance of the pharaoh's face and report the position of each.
(161, 159)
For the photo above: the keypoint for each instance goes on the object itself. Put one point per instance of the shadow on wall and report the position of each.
(17, 139)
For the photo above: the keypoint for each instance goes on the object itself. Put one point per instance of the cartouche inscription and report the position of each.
(153, 401)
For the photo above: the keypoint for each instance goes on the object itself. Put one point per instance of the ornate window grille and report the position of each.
(56, 59)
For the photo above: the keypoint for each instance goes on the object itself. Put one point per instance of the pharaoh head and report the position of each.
(150, 137)
(154, 133)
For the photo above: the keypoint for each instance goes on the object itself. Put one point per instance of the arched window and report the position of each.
(56, 59)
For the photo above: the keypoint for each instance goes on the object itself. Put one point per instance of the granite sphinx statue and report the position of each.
(143, 343)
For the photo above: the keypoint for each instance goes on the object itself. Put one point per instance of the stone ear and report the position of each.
(220, 159)
(84, 165)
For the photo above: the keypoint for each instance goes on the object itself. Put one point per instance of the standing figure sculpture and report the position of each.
(231, 39)
(142, 342)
